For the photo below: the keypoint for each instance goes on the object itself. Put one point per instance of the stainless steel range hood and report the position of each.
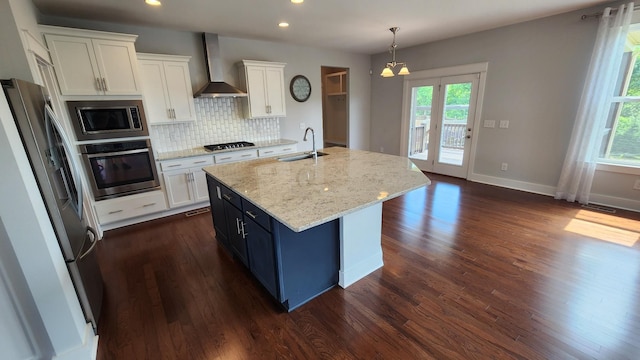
(216, 87)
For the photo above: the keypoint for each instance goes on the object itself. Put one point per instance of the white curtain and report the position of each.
(588, 130)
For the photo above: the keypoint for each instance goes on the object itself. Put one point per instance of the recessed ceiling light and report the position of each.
(297, 1)
(153, 2)
(283, 24)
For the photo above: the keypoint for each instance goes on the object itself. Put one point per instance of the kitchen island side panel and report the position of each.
(310, 261)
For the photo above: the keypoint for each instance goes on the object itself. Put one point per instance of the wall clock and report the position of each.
(300, 88)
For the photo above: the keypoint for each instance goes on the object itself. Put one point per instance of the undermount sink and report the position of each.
(300, 156)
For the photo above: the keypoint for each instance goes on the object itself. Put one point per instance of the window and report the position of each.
(621, 143)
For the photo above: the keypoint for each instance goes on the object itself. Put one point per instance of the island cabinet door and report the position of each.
(262, 256)
(217, 212)
(236, 232)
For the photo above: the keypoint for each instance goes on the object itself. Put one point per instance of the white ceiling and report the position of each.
(359, 26)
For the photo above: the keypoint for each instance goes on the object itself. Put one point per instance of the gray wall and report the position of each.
(535, 78)
(299, 60)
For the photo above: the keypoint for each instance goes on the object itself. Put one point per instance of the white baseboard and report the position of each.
(605, 200)
(513, 184)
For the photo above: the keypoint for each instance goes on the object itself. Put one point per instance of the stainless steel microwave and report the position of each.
(107, 119)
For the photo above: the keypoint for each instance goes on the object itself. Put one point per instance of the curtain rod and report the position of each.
(598, 14)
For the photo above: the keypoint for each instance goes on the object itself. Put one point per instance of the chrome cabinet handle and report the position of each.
(252, 215)
(147, 205)
(169, 113)
(244, 233)
(226, 197)
(225, 158)
(287, 149)
(104, 85)
(245, 155)
(176, 165)
(115, 212)
(200, 162)
(237, 226)
(98, 84)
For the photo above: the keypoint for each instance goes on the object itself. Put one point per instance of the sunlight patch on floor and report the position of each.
(605, 227)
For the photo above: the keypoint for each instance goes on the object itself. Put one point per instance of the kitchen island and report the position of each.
(301, 213)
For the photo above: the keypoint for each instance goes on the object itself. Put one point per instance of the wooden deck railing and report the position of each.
(453, 137)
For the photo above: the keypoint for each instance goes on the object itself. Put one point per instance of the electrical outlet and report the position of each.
(303, 126)
(489, 123)
(504, 167)
(504, 124)
(636, 186)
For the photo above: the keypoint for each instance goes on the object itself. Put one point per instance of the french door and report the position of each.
(438, 122)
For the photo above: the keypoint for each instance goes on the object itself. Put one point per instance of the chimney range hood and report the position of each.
(216, 86)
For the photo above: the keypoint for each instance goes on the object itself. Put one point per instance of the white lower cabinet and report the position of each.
(185, 182)
(131, 206)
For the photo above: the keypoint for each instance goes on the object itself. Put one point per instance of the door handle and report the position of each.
(94, 237)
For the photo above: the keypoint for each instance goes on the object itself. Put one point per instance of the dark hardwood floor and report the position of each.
(471, 272)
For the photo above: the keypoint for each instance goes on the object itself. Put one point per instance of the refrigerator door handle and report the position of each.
(94, 241)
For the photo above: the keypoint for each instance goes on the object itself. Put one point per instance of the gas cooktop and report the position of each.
(231, 145)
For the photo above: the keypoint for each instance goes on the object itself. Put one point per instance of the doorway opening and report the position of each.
(335, 106)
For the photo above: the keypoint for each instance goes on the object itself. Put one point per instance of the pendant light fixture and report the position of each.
(388, 69)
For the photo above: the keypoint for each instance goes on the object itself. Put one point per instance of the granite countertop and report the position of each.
(199, 151)
(302, 194)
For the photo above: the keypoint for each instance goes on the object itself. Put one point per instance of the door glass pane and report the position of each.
(422, 99)
(455, 116)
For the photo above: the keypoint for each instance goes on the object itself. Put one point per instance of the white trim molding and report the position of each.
(513, 184)
(598, 199)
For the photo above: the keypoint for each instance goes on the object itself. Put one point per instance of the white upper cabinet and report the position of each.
(90, 62)
(264, 82)
(167, 91)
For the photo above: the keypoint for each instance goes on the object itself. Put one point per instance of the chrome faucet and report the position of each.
(313, 139)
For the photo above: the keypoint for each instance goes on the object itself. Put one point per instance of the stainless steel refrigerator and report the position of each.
(57, 175)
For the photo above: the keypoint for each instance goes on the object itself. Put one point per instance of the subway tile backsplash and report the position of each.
(218, 120)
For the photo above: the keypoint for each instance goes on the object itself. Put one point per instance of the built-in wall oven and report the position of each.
(120, 168)
(107, 119)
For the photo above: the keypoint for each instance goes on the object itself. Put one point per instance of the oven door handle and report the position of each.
(136, 151)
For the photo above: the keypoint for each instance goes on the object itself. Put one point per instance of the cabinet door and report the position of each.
(257, 90)
(179, 89)
(262, 256)
(75, 64)
(118, 66)
(199, 185)
(177, 185)
(275, 91)
(236, 232)
(155, 92)
(217, 212)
